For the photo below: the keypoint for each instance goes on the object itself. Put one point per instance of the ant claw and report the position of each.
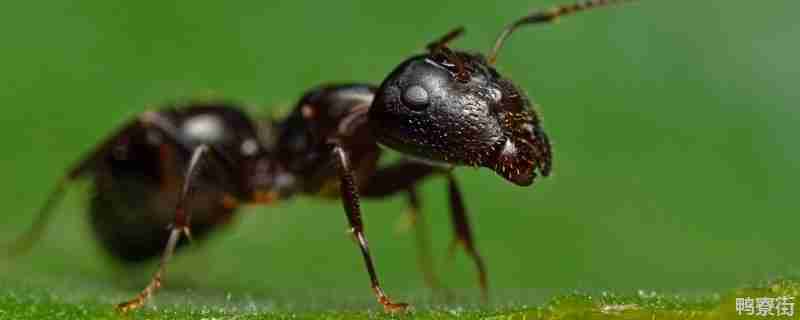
(391, 307)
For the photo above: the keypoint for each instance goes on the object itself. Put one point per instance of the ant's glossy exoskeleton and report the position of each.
(189, 168)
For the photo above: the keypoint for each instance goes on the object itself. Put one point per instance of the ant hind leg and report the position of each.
(44, 216)
(200, 156)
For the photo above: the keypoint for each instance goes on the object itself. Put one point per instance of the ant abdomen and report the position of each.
(138, 176)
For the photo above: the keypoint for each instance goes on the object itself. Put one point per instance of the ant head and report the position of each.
(454, 107)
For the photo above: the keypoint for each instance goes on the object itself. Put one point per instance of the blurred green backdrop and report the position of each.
(674, 124)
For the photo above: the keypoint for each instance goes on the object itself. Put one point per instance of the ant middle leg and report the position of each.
(424, 255)
(463, 233)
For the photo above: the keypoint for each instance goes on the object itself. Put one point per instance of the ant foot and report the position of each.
(391, 307)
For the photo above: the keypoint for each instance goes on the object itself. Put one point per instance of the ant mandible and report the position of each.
(190, 168)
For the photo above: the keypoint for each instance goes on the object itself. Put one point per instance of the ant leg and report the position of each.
(402, 177)
(464, 234)
(148, 120)
(25, 242)
(424, 256)
(179, 227)
(349, 191)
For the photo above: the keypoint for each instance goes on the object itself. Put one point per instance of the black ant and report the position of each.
(193, 166)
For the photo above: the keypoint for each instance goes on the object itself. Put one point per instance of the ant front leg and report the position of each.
(403, 177)
(349, 191)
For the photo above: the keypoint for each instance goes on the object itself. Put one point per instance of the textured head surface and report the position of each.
(428, 109)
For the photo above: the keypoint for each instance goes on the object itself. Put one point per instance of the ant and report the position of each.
(181, 172)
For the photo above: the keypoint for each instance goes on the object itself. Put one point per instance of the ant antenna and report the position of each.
(544, 16)
(445, 39)
(440, 46)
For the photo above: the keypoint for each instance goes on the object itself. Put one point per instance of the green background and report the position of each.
(674, 126)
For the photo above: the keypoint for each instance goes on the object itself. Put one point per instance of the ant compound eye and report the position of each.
(416, 97)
